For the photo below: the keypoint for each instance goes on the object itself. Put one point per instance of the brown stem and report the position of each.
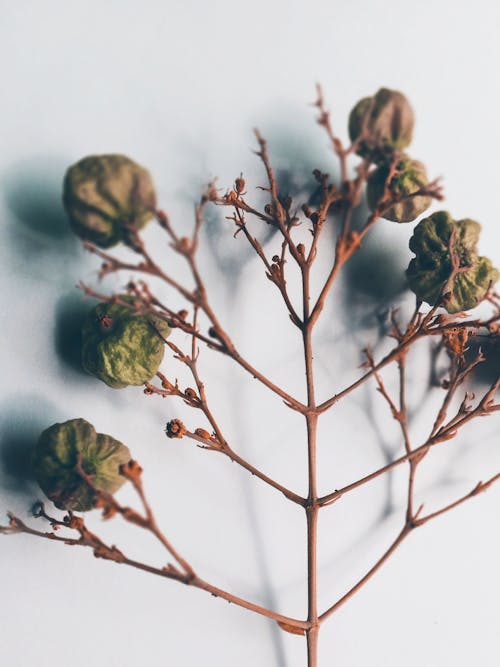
(479, 488)
(279, 213)
(389, 358)
(312, 506)
(294, 497)
(403, 421)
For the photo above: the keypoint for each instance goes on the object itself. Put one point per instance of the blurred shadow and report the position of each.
(70, 313)
(22, 420)
(268, 591)
(42, 245)
(231, 253)
(294, 156)
(33, 194)
(487, 372)
(374, 277)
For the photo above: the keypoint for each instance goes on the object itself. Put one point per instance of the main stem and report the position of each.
(311, 506)
(312, 509)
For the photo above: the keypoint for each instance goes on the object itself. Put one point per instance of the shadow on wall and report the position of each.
(486, 373)
(70, 312)
(23, 419)
(374, 278)
(42, 245)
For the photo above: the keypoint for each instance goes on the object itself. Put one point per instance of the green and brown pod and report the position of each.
(438, 242)
(120, 346)
(106, 197)
(381, 124)
(409, 177)
(61, 448)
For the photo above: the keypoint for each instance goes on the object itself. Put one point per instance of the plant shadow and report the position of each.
(24, 417)
(70, 313)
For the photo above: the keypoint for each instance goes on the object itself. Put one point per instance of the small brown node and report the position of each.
(201, 433)
(175, 429)
(131, 470)
(231, 197)
(184, 244)
(105, 322)
(456, 340)
(239, 184)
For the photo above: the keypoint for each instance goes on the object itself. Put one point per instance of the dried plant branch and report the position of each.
(464, 415)
(380, 150)
(102, 550)
(216, 442)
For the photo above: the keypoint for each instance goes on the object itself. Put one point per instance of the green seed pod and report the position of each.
(120, 347)
(105, 196)
(385, 121)
(428, 272)
(410, 177)
(57, 453)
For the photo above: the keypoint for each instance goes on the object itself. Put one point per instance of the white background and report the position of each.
(178, 87)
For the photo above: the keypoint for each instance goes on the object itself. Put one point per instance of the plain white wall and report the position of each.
(178, 87)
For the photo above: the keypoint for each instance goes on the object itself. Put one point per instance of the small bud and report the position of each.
(61, 447)
(131, 470)
(239, 185)
(183, 245)
(190, 393)
(175, 429)
(301, 249)
(410, 177)
(121, 347)
(432, 267)
(275, 271)
(107, 196)
(383, 123)
(201, 433)
(230, 197)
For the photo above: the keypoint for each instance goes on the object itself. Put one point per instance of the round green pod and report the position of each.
(121, 347)
(57, 453)
(410, 177)
(105, 196)
(386, 122)
(432, 265)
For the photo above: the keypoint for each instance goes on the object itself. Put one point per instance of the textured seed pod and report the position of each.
(105, 196)
(385, 121)
(410, 177)
(120, 347)
(175, 428)
(427, 273)
(56, 456)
